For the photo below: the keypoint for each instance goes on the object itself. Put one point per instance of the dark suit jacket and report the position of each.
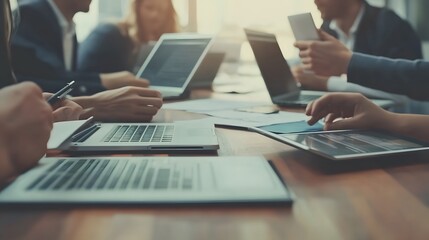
(37, 52)
(383, 33)
(106, 49)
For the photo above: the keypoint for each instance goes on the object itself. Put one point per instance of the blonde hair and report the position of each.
(7, 20)
(7, 76)
(133, 27)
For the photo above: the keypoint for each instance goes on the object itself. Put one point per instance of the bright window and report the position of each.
(224, 17)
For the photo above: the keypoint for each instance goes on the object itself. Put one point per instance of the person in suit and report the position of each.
(380, 31)
(44, 50)
(146, 21)
(364, 29)
(26, 119)
(400, 76)
(64, 110)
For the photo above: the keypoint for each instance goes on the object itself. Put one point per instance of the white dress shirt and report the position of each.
(68, 34)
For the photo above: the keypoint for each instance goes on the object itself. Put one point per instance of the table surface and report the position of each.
(381, 198)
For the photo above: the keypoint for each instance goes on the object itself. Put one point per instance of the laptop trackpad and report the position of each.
(199, 132)
(243, 175)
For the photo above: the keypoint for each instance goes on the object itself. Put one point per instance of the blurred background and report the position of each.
(226, 18)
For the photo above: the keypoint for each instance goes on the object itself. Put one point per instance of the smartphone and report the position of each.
(303, 27)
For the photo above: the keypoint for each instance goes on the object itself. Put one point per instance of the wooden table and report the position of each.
(383, 198)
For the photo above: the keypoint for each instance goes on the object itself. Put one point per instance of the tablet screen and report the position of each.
(345, 143)
(174, 61)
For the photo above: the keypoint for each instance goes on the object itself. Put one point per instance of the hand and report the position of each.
(327, 58)
(26, 124)
(309, 80)
(121, 79)
(130, 104)
(65, 110)
(354, 110)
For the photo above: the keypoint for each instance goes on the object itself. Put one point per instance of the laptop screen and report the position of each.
(273, 66)
(174, 61)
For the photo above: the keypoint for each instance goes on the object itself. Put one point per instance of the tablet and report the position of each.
(173, 62)
(350, 144)
(303, 27)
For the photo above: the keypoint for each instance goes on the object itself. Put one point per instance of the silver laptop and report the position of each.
(173, 62)
(277, 75)
(349, 144)
(148, 180)
(140, 137)
(206, 73)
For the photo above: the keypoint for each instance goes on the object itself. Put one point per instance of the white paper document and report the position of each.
(208, 105)
(260, 119)
(242, 119)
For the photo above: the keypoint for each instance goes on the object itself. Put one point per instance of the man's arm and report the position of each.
(406, 77)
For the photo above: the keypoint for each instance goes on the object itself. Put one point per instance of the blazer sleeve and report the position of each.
(405, 77)
(29, 66)
(105, 50)
(53, 86)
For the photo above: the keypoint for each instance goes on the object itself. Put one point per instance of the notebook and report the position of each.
(277, 75)
(148, 180)
(173, 62)
(349, 144)
(86, 135)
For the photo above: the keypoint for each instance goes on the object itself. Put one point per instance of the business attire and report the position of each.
(106, 49)
(379, 32)
(382, 32)
(409, 77)
(44, 50)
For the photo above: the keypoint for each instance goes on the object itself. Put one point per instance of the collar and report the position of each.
(334, 26)
(66, 26)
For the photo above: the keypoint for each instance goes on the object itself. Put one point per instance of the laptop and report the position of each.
(207, 71)
(349, 144)
(277, 75)
(148, 180)
(84, 135)
(173, 62)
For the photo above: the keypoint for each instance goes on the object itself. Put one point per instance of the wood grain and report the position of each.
(384, 198)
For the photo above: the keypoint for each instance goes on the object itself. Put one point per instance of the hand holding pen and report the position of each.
(63, 109)
(61, 94)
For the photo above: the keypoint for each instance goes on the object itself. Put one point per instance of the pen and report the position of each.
(84, 134)
(58, 96)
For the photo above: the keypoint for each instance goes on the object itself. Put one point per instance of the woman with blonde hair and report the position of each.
(113, 47)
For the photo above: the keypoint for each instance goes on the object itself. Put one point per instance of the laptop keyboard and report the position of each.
(104, 174)
(141, 133)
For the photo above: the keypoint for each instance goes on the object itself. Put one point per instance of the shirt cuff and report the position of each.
(337, 84)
